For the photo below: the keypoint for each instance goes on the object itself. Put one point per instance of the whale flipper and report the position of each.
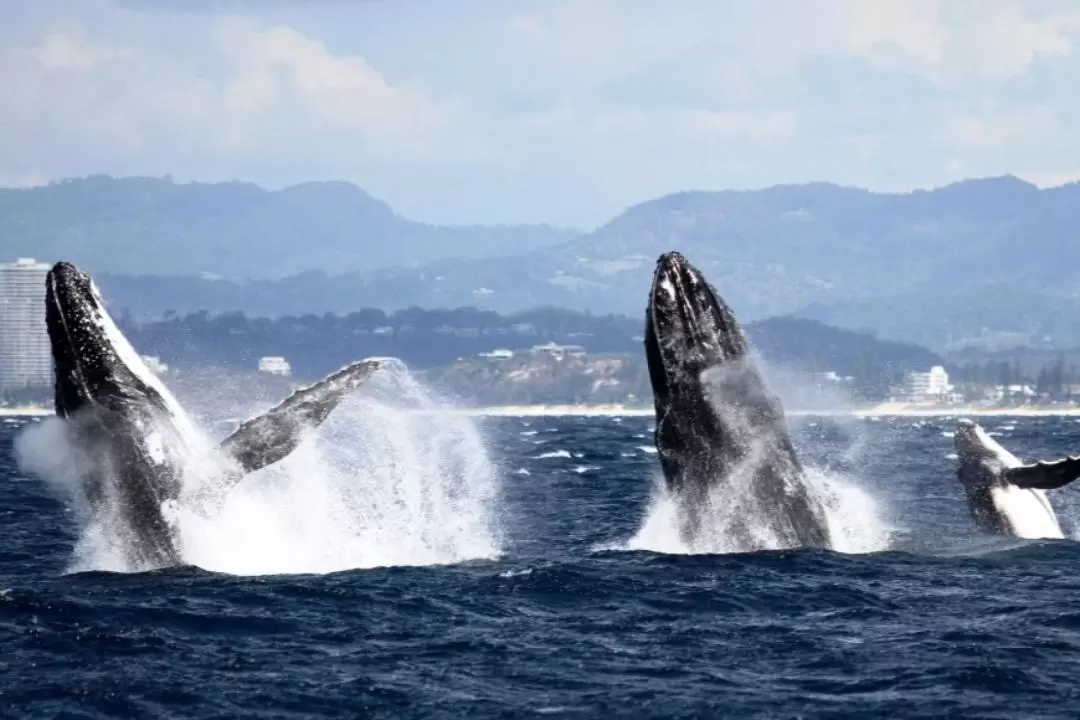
(1045, 475)
(267, 438)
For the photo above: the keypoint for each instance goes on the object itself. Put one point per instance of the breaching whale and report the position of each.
(130, 433)
(1005, 496)
(718, 424)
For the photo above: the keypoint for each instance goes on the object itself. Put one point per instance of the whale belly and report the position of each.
(1028, 512)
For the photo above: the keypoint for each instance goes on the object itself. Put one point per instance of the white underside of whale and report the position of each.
(1028, 511)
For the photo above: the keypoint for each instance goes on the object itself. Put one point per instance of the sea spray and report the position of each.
(737, 517)
(51, 451)
(386, 480)
(854, 520)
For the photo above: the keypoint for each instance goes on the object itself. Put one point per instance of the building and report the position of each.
(275, 365)
(559, 352)
(25, 355)
(500, 354)
(928, 386)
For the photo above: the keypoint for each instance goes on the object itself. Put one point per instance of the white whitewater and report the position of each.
(854, 520)
(855, 523)
(378, 484)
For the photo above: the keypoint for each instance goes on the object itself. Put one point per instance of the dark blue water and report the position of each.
(942, 623)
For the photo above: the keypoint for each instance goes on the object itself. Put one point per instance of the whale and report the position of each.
(132, 438)
(1006, 496)
(721, 435)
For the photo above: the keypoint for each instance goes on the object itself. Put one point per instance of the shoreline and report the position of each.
(881, 410)
(25, 411)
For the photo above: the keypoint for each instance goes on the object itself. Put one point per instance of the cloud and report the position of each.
(767, 130)
(540, 110)
(229, 5)
(1007, 41)
(912, 26)
(1051, 179)
(527, 27)
(274, 65)
(58, 51)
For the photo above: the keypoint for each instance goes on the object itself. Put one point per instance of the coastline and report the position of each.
(25, 411)
(881, 410)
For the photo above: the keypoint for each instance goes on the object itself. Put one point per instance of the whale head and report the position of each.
(689, 329)
(976, 449)
(95, 365)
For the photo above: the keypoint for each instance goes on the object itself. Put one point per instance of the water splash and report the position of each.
(854, 520)
(738, 518)
(386, 480)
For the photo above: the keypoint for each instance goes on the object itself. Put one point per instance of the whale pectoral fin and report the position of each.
(268, 438)
(1045, 475)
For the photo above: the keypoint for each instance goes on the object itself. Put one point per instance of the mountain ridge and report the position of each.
(977, 262)
(236, 230)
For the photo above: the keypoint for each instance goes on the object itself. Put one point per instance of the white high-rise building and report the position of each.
(25, 357)
(933, 385)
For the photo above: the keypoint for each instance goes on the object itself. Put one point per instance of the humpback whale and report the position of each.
(132, 436)
(718, 426)
(1005, 496)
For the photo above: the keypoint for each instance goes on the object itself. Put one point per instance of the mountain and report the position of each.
(885, 261)
(234, 230)
(982, 263)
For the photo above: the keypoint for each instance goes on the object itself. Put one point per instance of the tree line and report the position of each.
(1052, 378)
(317, 344)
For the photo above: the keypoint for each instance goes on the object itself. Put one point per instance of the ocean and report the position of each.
(521, 567)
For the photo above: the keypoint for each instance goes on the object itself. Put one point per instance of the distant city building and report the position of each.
(928, 386)
(25, 356)
(275, 365)
(1002, 392)
(500, 354)
(559, 352)
(154, 364)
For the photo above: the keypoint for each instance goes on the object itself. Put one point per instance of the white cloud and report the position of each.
(1008, 40)
(1001, 129)
(528, 27)
(766, 130)
(1051, 179)
(913, 26)
(60, 51)
(343, 91)
(558, 110)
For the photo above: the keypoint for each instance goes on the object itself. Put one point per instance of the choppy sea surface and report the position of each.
(539, 594)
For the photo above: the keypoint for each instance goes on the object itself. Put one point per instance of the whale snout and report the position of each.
(64, 268)
(671, 260)
(69, 290)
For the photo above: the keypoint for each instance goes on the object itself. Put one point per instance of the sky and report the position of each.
(557, 111)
